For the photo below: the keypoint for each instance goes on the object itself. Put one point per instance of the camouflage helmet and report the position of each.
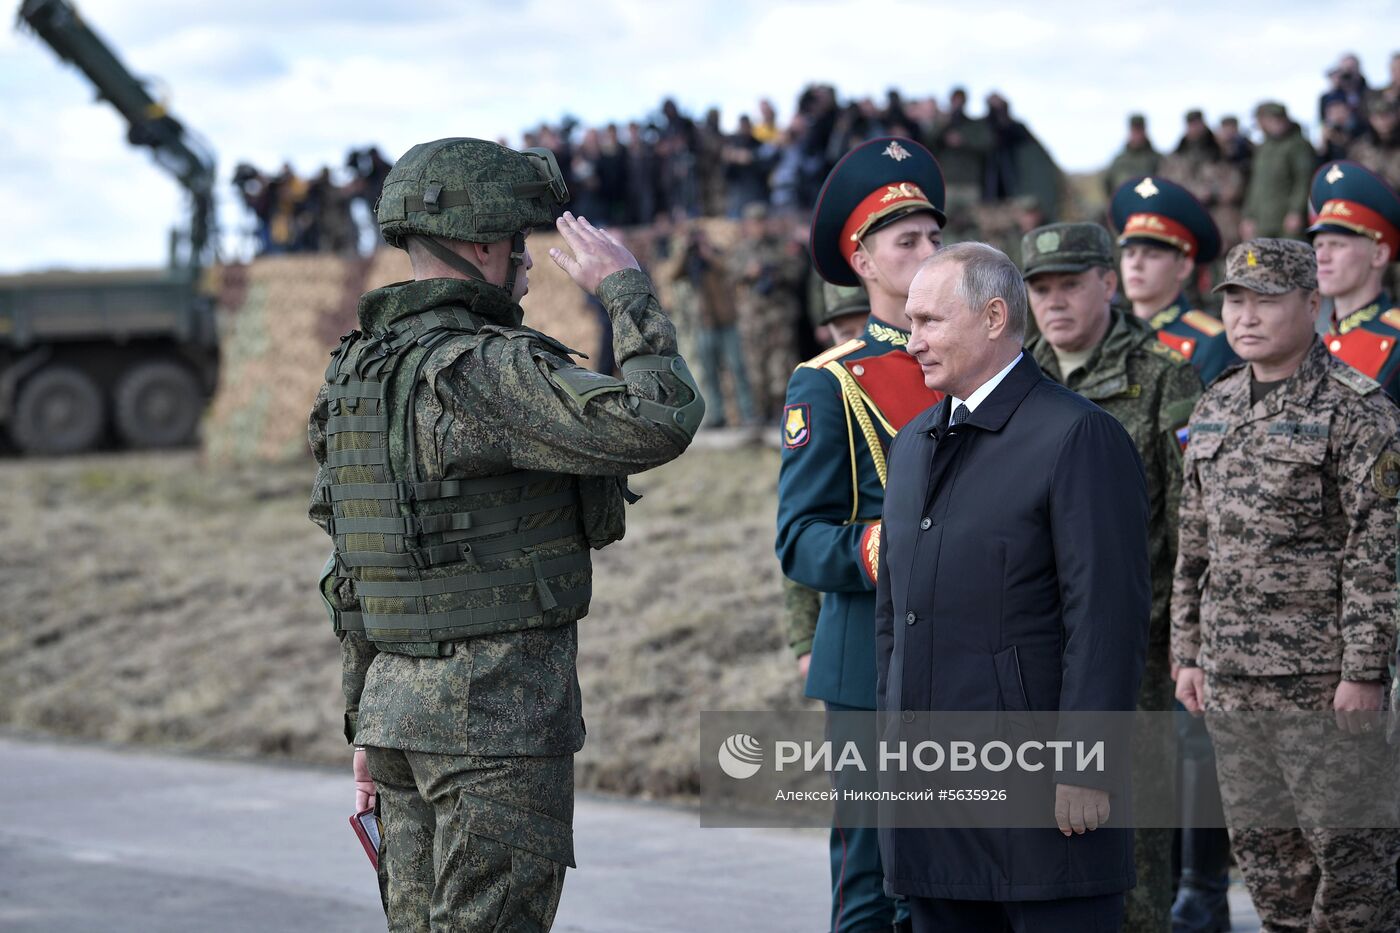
(469, 189)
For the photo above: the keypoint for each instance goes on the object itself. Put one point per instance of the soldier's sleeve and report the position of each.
(818, 544)
(552, 414)
(801, 606)
(1192, 561)
(356, 651)
(1369, 464)
(1179, 397)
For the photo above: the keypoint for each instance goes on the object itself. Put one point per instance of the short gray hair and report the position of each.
(987, 273)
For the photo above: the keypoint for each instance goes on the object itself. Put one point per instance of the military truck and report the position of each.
(130, 356)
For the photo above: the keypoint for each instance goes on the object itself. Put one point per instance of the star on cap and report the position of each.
(1146, 189)
(1333, 175)
(1250, 260)
(897, 152)
(1048, 242)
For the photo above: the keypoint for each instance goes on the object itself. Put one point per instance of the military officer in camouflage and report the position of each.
(879, 214)
(1166, 235)
(1116, 361)
(1284, 592)
(1356, 234)
(466, 468)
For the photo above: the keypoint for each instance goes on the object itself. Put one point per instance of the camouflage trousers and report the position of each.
(1299, 879)
(766, 327)
(472, 842)
(1148, 906)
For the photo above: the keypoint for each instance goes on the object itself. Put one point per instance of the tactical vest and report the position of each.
(438, 560)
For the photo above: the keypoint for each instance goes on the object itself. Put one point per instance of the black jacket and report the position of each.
(1017, 543)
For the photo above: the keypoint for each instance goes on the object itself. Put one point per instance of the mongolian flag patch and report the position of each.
(797, 425)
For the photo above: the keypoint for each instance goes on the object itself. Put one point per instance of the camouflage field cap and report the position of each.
(841, 300)
(469, 189)
(1065, 248)
(1271, 108)
(1270, 266)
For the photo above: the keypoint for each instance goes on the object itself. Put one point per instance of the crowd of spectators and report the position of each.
(295, 214)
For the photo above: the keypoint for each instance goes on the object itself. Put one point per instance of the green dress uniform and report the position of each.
(1353, 201)
(1161, 213)
(466, 468)
(843, 409)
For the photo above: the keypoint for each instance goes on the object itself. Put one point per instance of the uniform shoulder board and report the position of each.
(1392, 317)
(1204, 323)
(1171, 353)
(1359, 383)
(833, 354)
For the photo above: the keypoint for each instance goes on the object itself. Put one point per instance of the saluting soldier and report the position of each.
(879, 214)
(1356, 234)
(1166, 234)
(1116, 361)
(1284, 592)
(467, 467)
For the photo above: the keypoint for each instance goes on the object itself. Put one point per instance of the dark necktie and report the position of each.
(959, 415)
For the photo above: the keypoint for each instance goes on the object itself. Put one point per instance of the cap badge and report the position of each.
(1334, 173)
(1048, 242)
(902, 190)
(897, 152)
(1250, 259)
(1146, 188)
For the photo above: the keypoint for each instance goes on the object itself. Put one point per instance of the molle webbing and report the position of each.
(415, 548)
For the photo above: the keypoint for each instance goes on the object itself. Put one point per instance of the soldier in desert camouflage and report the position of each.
(1284, 592)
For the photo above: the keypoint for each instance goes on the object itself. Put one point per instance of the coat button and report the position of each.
(907, 716)
(911, 618)
(926, 524)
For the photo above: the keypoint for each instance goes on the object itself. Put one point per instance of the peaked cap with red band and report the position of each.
(873, 185)
(1349, 198)
(1155, 210)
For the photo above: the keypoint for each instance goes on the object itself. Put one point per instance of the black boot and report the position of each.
(1202, 902)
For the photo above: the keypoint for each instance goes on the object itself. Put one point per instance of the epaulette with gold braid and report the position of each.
(1204, 323)
(1392, 317)
(835, 353)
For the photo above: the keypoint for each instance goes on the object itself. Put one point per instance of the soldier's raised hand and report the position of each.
(597, 253)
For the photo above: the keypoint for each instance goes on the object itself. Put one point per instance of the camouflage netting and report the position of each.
(281, 315)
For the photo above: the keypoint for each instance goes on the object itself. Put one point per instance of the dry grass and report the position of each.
(149, 599)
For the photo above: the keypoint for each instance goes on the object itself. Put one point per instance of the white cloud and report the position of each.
(304, 80)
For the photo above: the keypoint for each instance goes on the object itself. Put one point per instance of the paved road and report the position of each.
(132, 842)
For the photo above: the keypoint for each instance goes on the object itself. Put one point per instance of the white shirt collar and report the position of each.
(984, 390)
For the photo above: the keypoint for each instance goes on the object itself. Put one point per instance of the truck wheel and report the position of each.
(157, 404)
(60, 410)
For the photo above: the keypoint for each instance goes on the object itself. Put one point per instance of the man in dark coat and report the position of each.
(1014, 577)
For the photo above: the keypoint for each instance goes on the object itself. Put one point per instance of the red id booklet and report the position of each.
(366, 826)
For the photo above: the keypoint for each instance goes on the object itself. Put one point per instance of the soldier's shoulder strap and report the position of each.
(1199, 320)
(1356, 381)
(840, 351)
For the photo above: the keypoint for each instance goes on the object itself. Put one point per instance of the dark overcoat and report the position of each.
(1014, 576)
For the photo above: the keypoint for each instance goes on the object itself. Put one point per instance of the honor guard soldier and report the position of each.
(1166, 234)
(1356, 234)
(878, 216)
(467, 468)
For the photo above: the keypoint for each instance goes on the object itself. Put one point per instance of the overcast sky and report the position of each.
(304, 80)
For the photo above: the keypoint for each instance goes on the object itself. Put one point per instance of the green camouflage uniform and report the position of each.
(1150, 389)
(1130, 162)
(1285, 586)
(1279, 177)
(471, 723)
(768, 306)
